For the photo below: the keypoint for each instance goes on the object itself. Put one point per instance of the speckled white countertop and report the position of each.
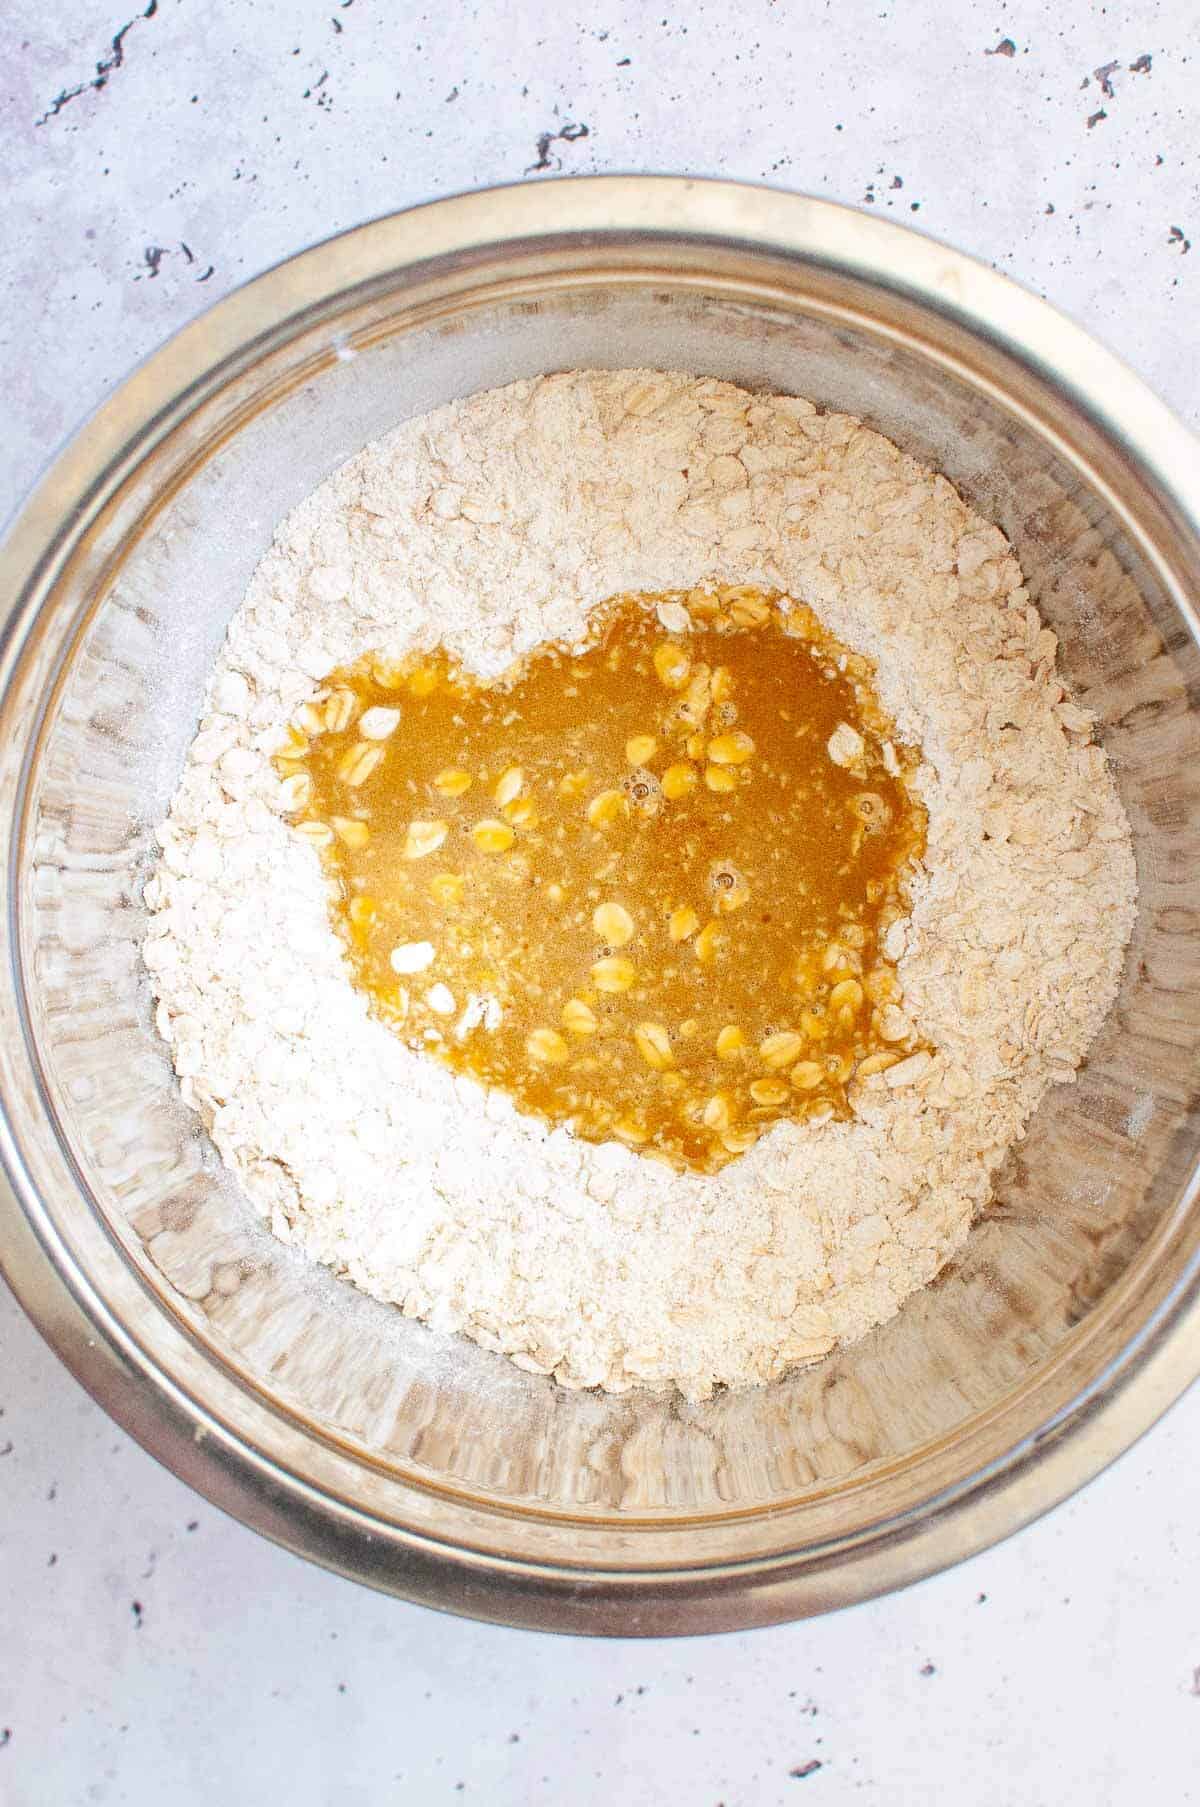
(154, 1652)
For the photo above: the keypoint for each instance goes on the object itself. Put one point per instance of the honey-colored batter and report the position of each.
(642, 887)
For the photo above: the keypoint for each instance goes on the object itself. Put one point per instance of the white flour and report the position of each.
(497, 523)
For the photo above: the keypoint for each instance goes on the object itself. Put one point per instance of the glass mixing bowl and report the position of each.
(423, 1464)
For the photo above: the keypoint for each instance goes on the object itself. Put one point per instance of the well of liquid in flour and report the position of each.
(642, 886)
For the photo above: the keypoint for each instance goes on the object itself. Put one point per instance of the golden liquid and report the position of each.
(628, 885)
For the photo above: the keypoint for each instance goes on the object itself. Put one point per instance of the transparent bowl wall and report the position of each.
(422, 1463)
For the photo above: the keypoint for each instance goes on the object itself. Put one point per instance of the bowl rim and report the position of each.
(1107, 1410)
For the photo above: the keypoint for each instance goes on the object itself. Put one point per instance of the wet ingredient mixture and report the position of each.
(641, 886)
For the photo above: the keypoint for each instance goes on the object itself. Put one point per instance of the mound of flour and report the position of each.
(495, 524)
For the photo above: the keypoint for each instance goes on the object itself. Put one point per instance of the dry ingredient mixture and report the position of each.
(417, 585)
(641, 886)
